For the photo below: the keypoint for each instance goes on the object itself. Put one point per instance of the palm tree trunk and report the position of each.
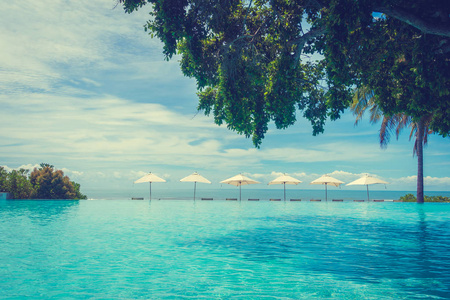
(419, 141)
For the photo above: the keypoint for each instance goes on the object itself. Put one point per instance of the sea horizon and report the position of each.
(249, 193)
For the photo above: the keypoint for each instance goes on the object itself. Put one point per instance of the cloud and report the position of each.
(71, 173)
(29, 167)
(90, 81)
(102, 129)
(428, 181)
(267, 177)
(52, 40)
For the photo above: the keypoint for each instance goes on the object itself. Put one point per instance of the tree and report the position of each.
(52, 184)
(78, 194)
(364, 100)
(250, 58)
(406, 69)
(42, 183)
(18, 184)
(3, 179)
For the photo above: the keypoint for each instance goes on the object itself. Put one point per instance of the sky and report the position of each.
(83, 87)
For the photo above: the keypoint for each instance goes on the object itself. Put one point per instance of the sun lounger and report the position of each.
(275, 199)
(315, 200)
(253, 199)
(358, 200)
(378, 200)
(207, 199)
(338, 200)
(137, 198)
(231, 199)
(297, 200)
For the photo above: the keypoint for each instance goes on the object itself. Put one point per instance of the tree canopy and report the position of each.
(43, 183)
(16, 182)
(254, 61)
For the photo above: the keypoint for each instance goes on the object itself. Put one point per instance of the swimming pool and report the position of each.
(222, 250)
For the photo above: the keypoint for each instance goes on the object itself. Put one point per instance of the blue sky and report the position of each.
(84, 88)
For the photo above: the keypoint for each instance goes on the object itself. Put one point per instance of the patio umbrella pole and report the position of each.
(195, 177)
(150, 178)
(283, 180)
(366, 180)
(239, 180)
(326, 192)
(195, 186)
(368, 193)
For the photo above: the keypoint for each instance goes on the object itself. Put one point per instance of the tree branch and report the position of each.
(301, 41)
(415, 21)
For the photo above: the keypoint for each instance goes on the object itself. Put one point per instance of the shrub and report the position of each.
(412, 198)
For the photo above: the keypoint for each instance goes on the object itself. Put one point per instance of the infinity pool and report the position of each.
(222, 250)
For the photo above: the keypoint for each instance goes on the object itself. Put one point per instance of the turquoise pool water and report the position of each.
(222, 250)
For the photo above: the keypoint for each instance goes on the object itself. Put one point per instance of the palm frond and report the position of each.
(403, 121)
(391, 124)
(426, 131)
(385, 134)
(375, 114)
(363, 99)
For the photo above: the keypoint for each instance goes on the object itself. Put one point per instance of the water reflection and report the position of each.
(41, 212)
(409, 249)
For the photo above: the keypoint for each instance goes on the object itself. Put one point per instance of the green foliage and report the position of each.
(241, 57)
(18, 184)
(42, 183)
(401, 66)
(52, 184)
(412, 198)
(3, 180)
(78, 194)
(408, 198)
(250, 58)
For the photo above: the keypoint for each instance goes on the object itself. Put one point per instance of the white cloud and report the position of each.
(29, 167)
(50, 40)
(437, 181)
(90, 81)
(267, 177)
(109, 129)
(428, 181)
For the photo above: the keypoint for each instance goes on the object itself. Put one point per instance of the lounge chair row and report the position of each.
(278, 199)
(298, 200)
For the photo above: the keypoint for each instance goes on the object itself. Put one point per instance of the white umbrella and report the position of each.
(285, 179)
(239, 180)
(195, 177)
(327, 180)
(367, 180)
(150, 178)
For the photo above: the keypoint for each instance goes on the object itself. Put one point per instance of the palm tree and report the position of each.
(363, 100)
